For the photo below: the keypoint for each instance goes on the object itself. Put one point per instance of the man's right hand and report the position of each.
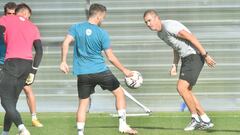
(64, 67)
(128, 73)
(210, 61)
(30, 79)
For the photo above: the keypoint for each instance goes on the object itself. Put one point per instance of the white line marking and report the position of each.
(132, 114)
(152, 116)
(139, 94)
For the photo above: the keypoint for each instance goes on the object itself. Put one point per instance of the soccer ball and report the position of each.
(134, 81)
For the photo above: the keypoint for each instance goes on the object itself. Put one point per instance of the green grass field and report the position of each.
(163, 123)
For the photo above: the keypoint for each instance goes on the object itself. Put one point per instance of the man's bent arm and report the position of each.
(190, 37)
(38, 55)
(67, 41)
(114, 60)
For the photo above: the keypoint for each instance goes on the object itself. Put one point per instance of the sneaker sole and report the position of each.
(207, 127)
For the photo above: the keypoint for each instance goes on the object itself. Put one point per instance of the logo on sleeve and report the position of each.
(88, 32)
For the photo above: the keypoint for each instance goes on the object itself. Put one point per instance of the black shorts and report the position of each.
(86, 83)
(13, 77)
(1, 71)
(191, 68)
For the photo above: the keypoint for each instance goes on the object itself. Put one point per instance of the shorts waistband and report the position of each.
(190, 55)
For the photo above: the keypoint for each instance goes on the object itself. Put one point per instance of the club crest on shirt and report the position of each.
(88, 32)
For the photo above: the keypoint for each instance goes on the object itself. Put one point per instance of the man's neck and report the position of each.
(160, 27)
(93, 21)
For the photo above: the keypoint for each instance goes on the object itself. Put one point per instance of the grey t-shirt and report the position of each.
(169, 32)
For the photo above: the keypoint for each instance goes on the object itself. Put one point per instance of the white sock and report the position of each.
(5, 133)
(21, 127)
(122, 116)
(196, 117)
(34, 116)
(205, 118)
(80, 127)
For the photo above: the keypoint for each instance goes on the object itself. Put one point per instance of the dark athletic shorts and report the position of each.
(1, 71)
(13, 77)
(86, 83)
(191, 68)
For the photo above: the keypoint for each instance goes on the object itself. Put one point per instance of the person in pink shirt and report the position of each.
(20, 36)
(9, 9)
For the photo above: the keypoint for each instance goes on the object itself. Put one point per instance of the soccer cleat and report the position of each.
(36, 123)
(126, 129)
(206, 125)
(24, 132)
(194, 124)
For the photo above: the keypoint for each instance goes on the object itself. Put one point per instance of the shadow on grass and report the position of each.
(101, 126)
(139, 127)
(222, 130)
(181, 129)
(164, 128)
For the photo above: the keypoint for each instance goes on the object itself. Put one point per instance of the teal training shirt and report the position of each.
(90, 41)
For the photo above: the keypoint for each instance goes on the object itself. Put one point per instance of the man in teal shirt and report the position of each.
(90, 68)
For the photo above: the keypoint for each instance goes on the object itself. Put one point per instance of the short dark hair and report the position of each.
(150, 11)
(95, 8)
(9, 5)
(23, 6)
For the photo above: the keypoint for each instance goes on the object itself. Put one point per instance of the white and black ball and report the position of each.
(134, 81)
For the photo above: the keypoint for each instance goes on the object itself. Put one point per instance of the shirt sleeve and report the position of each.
(37, 35)
(175, 27)
(105, 41)
(72, 31)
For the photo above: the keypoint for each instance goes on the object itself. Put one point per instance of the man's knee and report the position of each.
(180, 90)
(9, 107)
(118, 92)
(182, 87)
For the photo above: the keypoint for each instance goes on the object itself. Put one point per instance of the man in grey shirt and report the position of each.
(185, 46)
